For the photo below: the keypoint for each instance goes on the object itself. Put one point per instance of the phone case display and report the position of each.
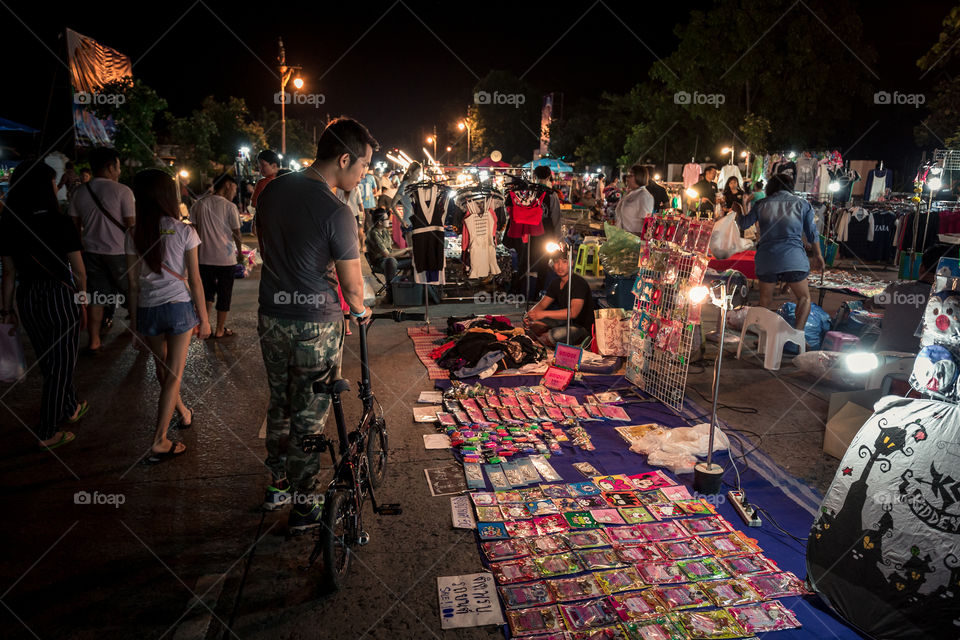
(519, 596)
(578, 588)
(764, 616)
(599, 559)
(672, 260)
(682, 596)
(511, 571)
(499, 550)
(525, 622)
(663, 628)
(592, 613)
(726, 593)
(638, 605)
(710, 625)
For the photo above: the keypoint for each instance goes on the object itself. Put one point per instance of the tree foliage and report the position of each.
(134, 115)
(506, 112)
(942, 125)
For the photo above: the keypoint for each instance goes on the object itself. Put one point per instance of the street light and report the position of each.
(729, 150)
(433, 140)
(285, 74)
(463, 126)
(184, 173)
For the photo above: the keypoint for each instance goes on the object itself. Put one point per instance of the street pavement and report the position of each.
(99, 545)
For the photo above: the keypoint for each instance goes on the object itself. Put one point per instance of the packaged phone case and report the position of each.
(621, 499)
(593, 410)
(631, 534)
(639, 554)
(492, 530)
(651, 497)
(613, 483)
(520, 596)
(662, 628)
(555, 490)
(509, 401)
(592, 502)
(541, 508)
(567, 504)
(660, 573)
(613, 412)
(696, 507)
(490, 415)
(548, 544)
(635, 515)
(589, 539)
(650, 480)
(707, 568)
(494, 402)
(489, 514)
(764, 616)
(599, 559)
(613, 632)
(578, 588)
(592, 613)
(553, 523)
(496, 476)
(748, 565)
(560, 564)
(512, 571)
(580, 520)
(484, 498)
(682, 549)
(730, 544)
(707, 526)
(638, 605)
(682, 596)
(446, 419)
(510, 497)
(500, 550)
(777, 585)
(530, 494)
(607, 516)
(665, 510)
(618, 580)
(726, 593)
(709, 625)
(515, 511)
(564, 400)
(660, 531)
(520, 528)
(525, 622)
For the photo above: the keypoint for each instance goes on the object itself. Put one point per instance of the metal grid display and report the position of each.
(660, 371)
(947, 158)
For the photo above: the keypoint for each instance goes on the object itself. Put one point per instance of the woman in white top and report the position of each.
(166, 295)
(637, 204)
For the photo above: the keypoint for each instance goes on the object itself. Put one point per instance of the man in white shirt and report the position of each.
(637, 203)
(218, 224)
(103, 210)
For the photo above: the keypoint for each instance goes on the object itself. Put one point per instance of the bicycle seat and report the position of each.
(331, 388)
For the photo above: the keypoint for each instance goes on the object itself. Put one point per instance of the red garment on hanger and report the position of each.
(525, 219)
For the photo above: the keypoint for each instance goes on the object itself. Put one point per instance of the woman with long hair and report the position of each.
(166, 295)
(734, 197)
(41, 248)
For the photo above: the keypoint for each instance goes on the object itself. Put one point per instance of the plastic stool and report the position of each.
(839, 341)
(773, 332)
(588, 259)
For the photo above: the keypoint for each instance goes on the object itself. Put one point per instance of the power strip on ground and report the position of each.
(748, 513)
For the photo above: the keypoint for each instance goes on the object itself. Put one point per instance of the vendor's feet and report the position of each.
(304, 517)
(60, 438)
(277, 496)
(167, 447)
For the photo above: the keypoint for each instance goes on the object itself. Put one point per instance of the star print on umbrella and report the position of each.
(920, 434)
(847, 471)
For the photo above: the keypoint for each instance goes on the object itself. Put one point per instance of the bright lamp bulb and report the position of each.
(298, 83)
(934, 184)
(834, 186)
(461, 126)
(184, 173)
(861, 362)
(552, 247)
(698, 294)
(692, 193)
(726, 150)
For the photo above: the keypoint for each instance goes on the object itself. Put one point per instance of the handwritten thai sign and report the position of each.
(468, 601)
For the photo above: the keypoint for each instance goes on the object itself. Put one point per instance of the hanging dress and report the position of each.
(479, 232)
(427, 236)
(526, 217)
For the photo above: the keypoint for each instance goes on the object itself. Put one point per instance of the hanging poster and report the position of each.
(91, 66)
(468, 601)
(885, 550)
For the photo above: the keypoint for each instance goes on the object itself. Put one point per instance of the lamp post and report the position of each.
(463, 126)
(285, 74)
(729, 150)
(433, 140)
(708, 477)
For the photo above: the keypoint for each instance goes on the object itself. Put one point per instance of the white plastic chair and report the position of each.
(773, 333)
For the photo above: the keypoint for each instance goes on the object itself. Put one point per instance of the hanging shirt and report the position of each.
(728, 171)
(478, 241)
(691, 174)
(428, 242)
(806, 175)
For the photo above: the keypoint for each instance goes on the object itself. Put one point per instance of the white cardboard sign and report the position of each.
(468, 601)
(462, 513)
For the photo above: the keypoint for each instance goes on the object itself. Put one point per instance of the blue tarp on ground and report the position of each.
(793, 504)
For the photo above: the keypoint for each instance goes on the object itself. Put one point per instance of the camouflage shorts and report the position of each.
(297, 353)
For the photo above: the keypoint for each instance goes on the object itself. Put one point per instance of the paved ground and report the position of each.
(191, 529)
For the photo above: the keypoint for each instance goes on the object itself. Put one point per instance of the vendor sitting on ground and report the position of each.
(548, 319)
(381, 255)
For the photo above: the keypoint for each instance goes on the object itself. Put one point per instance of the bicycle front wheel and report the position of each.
(377, 452)
(337, 538)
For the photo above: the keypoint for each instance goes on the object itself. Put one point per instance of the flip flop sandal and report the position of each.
(66, 437)
(82, 409)
(185, 425)
(227, 333)
(157, 458)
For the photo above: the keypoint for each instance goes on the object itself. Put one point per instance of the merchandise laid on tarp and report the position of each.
(484, 345)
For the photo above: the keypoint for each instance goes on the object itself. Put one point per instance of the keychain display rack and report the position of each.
(673, 260)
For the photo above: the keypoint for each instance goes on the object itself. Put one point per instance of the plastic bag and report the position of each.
(13, 364)
(675, 462)
(725, 239)
(620, 254)
(818, 323)
(677, 449)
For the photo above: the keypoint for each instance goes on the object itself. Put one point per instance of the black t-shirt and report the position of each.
(660, 197)
(39, 243)
(580, 290)
(707, 190)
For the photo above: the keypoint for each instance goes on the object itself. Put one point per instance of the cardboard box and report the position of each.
(847, 413)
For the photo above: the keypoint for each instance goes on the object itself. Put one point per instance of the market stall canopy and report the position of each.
(489, 162)
(10, 125)
(556, 165)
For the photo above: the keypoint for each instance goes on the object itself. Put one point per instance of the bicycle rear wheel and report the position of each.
(377, 452)
(337, 536)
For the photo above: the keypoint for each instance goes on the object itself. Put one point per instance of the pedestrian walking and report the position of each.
(217, 220)
(310, 242)
(43, 270)
(103, 210)
(166, 296)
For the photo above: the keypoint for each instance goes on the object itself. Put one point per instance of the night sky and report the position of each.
(401, 68)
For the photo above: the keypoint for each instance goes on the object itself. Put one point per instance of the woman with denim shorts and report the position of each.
(166, 295)
(785, 222)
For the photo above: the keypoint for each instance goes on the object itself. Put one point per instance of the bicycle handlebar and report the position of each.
(398, 315)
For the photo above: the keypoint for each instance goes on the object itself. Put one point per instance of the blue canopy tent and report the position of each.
(10, 125)
(557, 166)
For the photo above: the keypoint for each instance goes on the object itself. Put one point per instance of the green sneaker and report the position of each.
(278, 495)
(306, 514)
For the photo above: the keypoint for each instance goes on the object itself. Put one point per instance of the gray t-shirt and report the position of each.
(303, 229)
(216, 218)
(99, 234)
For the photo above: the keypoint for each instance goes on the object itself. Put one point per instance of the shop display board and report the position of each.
(672, 261)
